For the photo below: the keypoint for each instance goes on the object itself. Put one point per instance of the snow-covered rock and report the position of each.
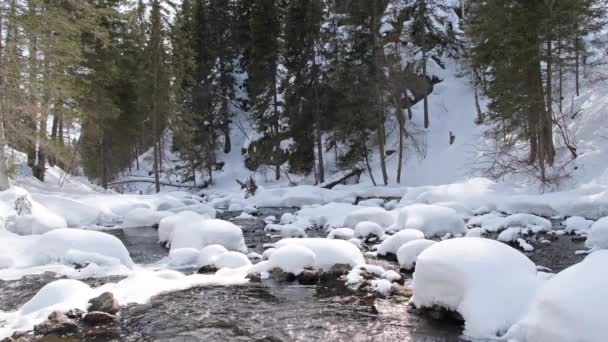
(26, 216)
(209, 254)
(597, 238)
(184, 257)
(474, 232)
(201, 209)
(208, 232)
(382, 286)
(370, 214)
(409, 252)
(489, 283)
(432, 220)
(327, 252)
(534, 222)
(372, 202)
(292, 258)
(571, 306)
(288, 218)
(509, 234)
(76, 214)
(167, 225)
(292, 231)
(577, 224)
(81, 247)
(62, 295)
(144, 217)
(231, 259)
(341, 233)
(394, 242)
(365, 229)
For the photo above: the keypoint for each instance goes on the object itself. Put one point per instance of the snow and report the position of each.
(370, 214)
(288, 218)
(474, 232)
(327, 252)
(577, 224)
(394, 242)
(167, 225)
(209, 254)
(184, 257)
(509, 234)
(144, 217)
(298, 196)
(597, 238)
(409, 252)
(489, 283)
(391, 275)
(366, 229)
(201, 209)
(75, 213)
(25, 216)
(382, 286)
(208, 232)
(569, 307)
(292, 258)
(519, 220)
(231, 259)
(432, 220)
(341, 233)
(80, 247)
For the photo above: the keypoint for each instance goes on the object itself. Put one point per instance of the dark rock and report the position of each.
(98, 318)
(207, 269)
(254, 277)
(309, 277)
(75, 314)
(56, 324)
(104, 303)
(402, 291)
(579, 238)
(283, 277)
(329, 278)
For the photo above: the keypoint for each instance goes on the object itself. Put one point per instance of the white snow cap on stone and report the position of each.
(341, 233)
(209, 254)
(231, 259)
(432, 220)
(571, 306)
(184, 257)
(488, 282)
(144, 217)
(409, 252)
(168, 224)
(370, 214)
(597, 238)
(365, 229)
(292, 259)
(394, 242)
(209, 232)
(327, 252)
(577, 224)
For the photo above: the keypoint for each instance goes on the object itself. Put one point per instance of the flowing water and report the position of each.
(266, 311)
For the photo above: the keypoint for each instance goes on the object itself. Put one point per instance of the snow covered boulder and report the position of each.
(209, 254)
(327, 252)
(209, 232)
(341, 233)
(80, 247)
(61, 295)
(394, 242)
(167, 225)
(533, 222)
(231, 260)
(571, 306)
(597, 238)
(370, 214)
(487, 282)
(201, 209)
(184, 257)
(26, 216)
(367, 230)
(292, 259)
(409, 252)
(288, 218)
(144, 217)
(76, 214)
(577, 224)
(432, 220)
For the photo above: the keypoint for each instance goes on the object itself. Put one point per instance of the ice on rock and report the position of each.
(409, 252)
(167, 225)
(432, 220)
(231, 260)
(80, 247)
(144, 217)
(209, 254)
(184, 257)
(341, 233)
(597, 238)
(292, 259)
(509, 234)
(366, 229)
(209, 232)
(570, 306)
(488, 282)
(327, 252)
(394, 242)
(370, 214)
(523, 244)
(577, 224)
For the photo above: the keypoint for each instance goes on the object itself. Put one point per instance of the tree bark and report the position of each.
(4, 183)
(277, 140)
(318, 128)
(378, 96)
(577, 61)
(369, 167)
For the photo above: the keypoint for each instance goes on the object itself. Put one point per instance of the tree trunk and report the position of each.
(318, 131)
(560, 75)
(156, 61)
(40, 168)
(378, 96)
(225, 110)
(369, 167)
(426, 97)
(549, 86)
(277, 147)
(4, 183)
(577, 61)
(401, 121)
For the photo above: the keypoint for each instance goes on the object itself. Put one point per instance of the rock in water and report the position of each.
(57, 324)
(95, 318)
(104, 303)
(309, 277)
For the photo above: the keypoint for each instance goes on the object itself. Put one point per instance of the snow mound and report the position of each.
(62, 294)
(394, 242)
(209, 254)
(571, 306)
(489, 283)
(577, 224)
(292, 258)
(299, 196)
(76, 214)
(369, 214)
(432, 220)
(598, 234)
(341, 233)
(201, 209)
(288, 218)
(537, 223)
(409, 252)
(366, 229)
(184, 257)
(25, 216)
(231, 260)
(167, 225)
(208, 232)
(327, 252)
(509, 234)
(144, 217)
(80, 247)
